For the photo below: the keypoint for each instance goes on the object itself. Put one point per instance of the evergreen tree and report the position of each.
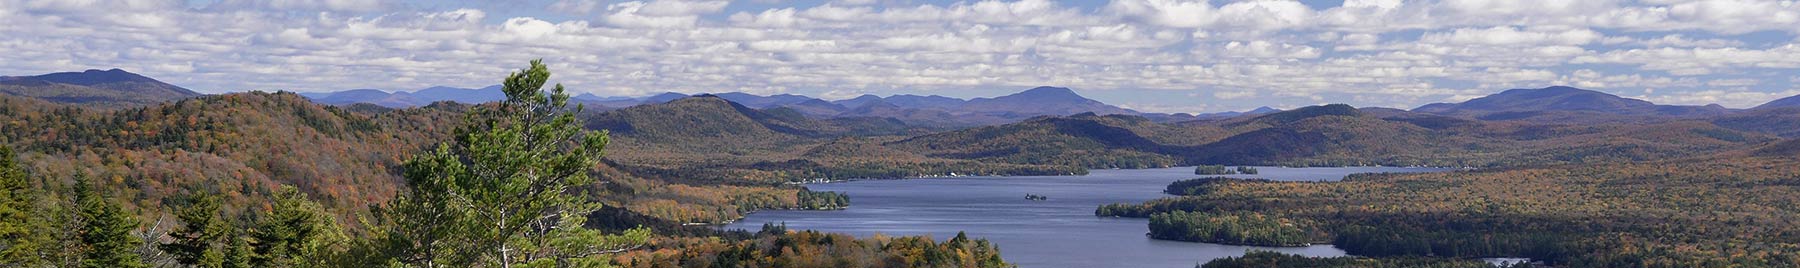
(508, 190)
(294, 232)
(197, 242)
(106, 234)
(19, 239)
(237, 253)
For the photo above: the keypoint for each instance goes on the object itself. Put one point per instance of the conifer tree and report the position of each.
(295, 232)
(198, 241)
(19, 239)
(106, 232)
(508, 190)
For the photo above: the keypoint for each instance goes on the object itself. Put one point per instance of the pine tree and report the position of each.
(507, 190)
(106, 233)
(19, 239)
(237, 253)
(296, 232)
(197, 242)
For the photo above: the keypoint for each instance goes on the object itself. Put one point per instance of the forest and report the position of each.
(1715, 211)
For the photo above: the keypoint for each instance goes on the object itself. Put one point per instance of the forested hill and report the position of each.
(1329, 135)
(243, 144)
(100, 89)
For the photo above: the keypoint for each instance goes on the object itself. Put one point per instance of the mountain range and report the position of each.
(1558, 104)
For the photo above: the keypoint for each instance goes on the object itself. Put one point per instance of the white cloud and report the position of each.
(1510, 36)
(1385, 52)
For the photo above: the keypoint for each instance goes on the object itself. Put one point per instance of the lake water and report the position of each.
(1059, 232)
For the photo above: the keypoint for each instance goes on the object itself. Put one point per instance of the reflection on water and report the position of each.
(1059, 232)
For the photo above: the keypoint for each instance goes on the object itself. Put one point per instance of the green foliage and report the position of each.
(106, 232)
(1241, 228)
(199, 241)
(811, 200)
(1202, 186)
(20, 235)
(1213, 170)
(1259, 259)
(508, 191)
(295, 232)
(776, 247)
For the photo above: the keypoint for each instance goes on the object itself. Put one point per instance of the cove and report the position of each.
(1061, 231)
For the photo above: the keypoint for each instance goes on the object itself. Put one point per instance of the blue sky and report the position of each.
(1150, 55)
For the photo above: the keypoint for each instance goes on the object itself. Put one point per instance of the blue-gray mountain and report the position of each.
(107, 88)
(1559, 103)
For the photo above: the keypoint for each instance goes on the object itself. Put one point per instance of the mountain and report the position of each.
(858, 101)
(816, 108)
(760, 102)
(113, 86)
(661, 98)
(1793, 101)
(403, 99)
(906, 101)
(923, 102)
(930, 118)
(1230, 114)
(1561, 102)
(460, 95)
(1086, 140)
(1041, 101)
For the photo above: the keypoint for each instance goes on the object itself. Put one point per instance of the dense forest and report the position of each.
(1724, 210)
(775, 246)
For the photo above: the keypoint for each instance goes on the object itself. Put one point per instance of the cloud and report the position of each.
(1382, 52)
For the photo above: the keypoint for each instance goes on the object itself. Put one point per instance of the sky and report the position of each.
(1149, 55)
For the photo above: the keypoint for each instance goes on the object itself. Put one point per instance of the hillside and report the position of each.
(96, 87)
(1787, 102)
(1552, 104)
(1779, 121)
(243, 143)
(1085, 140)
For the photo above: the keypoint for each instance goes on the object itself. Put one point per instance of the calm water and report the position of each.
(1060, 232)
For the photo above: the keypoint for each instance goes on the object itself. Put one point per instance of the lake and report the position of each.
(1059, 232)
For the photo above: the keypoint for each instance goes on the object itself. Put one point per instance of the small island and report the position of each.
(1223, 170)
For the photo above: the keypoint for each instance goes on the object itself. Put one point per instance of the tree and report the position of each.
(295, 232)
(197, 242)
(19, 241)
(508, 190)
(106, 233)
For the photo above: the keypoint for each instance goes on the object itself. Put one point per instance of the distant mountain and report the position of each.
(1041, 101)
(858, 101)
(1558, 101)
(924, 102)
(1793, 101)
(661, 98)
(906, 101)
(402, 99)
(816, 108)
(113, 86)
(460, 95)
(710, 120)
(1230, 114)
(761, 102)
(931, 118)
